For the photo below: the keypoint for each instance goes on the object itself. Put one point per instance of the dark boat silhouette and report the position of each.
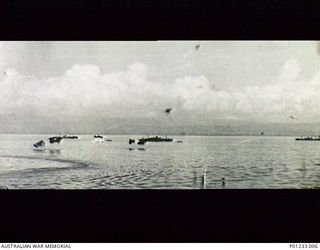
(138, 142)
(308, 138)
(143, 141)
(55, 139)
(52, 141)
(98, 136)
(39, 144)
(156, 139)
(70, 137)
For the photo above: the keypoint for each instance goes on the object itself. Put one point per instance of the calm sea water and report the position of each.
(198, 162)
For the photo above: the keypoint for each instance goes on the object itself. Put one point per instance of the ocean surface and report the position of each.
(199, 162)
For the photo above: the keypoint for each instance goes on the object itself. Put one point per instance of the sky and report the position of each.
(87, 86)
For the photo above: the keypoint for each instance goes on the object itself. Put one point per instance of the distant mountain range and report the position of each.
(14, 123)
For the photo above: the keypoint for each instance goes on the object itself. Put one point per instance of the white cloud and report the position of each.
(84, 89)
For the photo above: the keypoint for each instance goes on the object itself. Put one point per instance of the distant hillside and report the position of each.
(14, 123)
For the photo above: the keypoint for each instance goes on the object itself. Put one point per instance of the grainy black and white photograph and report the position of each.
(159, 115)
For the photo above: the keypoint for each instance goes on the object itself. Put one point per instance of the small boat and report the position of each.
(70, 137)
(308, 138)
(156, 139)
(55, 139)
(137, 143)
(98, 140)
(50, 144)
(39, 144)
(98, 136)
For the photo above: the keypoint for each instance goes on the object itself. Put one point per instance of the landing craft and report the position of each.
(70, 137)
(98, 138)
(55, 139)
(155, 139)
(42, 145)
(137, 144)
(39, 144)
(308, 138)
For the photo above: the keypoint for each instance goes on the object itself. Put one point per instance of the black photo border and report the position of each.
(159, 215)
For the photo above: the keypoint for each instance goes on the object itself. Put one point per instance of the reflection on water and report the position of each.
(141, 149)
(199, 162)
(50, 151)
(54, 151)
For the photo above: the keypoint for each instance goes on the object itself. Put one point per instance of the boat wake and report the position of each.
(20, 163)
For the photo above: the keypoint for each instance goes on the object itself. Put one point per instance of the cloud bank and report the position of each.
(85, 90)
